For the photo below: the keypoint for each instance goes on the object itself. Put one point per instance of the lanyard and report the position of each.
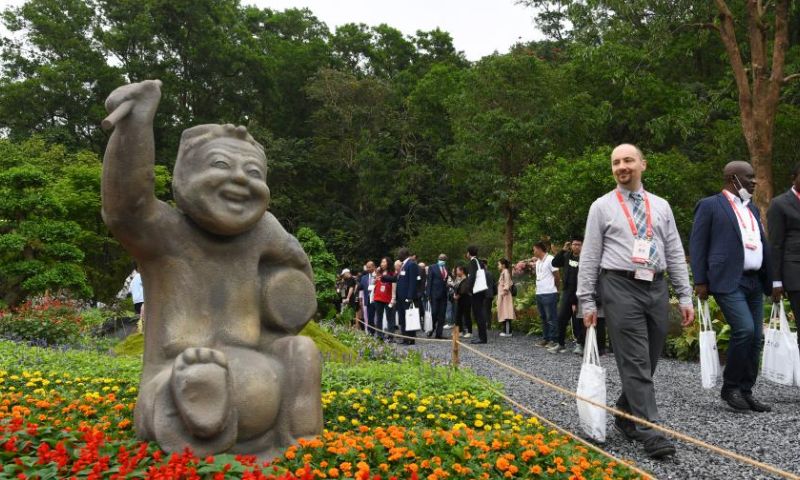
(736, 211)
(627, 212)
(796, 193)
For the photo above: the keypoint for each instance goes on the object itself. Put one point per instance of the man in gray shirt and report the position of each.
(630, 240)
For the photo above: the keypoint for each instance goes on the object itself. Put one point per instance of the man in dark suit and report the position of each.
(438, 275)
(478, 298)
(406, 291)
(730, 259)
(783, 221)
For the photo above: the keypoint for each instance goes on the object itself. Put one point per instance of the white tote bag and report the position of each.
(428, 317)
(480, 284)
(592, 385)
(412, 320)
(709, 356)
(780, 349)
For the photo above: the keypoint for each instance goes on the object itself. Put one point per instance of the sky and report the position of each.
(478, 27)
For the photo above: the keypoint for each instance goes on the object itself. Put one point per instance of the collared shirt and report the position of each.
(137, 290)
(545, 281)
(609, 242)
(753, 257)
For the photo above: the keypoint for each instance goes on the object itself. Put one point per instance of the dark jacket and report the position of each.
(472, 270)
(491, 291)
(436, 288)
(563, 259)
(783, 220)
(715, 247)
(406, 281)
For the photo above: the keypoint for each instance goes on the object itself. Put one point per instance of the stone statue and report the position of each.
(227, 289)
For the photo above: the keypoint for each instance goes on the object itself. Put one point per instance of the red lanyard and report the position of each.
(634, 230)
(736, 211)
(796, 193)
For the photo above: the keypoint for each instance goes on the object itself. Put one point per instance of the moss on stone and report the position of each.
(327, 343)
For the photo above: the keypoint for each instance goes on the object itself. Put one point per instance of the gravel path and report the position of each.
(773, 438)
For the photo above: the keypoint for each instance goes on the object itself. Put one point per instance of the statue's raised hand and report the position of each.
(139, 100)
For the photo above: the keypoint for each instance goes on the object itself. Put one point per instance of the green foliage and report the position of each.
(686, 345)
(51, 322)
(329, 345)
(39, 246)
(431, 240)
(323, 264)
(557, 197)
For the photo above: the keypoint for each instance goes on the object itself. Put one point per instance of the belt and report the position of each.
(631, 275)
(750, 273)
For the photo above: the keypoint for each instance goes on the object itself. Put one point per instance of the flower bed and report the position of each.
(58, 424)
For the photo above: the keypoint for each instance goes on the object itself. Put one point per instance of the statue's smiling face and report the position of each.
(227, 193)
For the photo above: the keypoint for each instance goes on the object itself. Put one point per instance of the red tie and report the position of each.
(444, 273)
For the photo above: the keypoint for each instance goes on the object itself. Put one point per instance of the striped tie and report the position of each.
(640, 218)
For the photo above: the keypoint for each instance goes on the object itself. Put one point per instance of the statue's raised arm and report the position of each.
(128, 190)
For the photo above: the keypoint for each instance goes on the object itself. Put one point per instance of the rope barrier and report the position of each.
(678, 435)
(699, 443)
(574, 437)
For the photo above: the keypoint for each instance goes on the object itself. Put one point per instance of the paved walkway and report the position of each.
(773, 438)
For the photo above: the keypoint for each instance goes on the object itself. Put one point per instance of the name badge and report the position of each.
(419, 278)
(403, 273)
(750, 241)
(645, 274)
(641, 250)
(383, 288)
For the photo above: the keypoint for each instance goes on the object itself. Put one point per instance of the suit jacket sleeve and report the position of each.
(413, 272)
(776, 222)
(429, 283)
(472, 270)
(560, 259)
(698, 242)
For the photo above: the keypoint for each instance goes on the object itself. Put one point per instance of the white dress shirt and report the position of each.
(753, 257)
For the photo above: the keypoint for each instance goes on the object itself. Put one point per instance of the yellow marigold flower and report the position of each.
(478, 423)
(421, 409)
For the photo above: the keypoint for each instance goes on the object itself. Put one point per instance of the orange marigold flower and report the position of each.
(536, 470)
(333, 472)
(501, 464)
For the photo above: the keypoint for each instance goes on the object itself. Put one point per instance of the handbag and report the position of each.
(480, 284)
(513, 289)
(709, 355)
(780, 358)
(412, 320)
(592, 385)
(428, 317)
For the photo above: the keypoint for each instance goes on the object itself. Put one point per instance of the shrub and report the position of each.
(52, 322)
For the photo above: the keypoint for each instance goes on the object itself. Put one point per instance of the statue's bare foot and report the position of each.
(200, 390)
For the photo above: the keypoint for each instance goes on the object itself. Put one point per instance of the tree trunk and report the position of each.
(758, 85)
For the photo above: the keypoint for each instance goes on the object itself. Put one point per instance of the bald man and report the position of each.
(730, 260)
(630, 241)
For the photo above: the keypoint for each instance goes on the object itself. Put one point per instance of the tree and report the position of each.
(758, 95)
(512, 111)
(38, 245)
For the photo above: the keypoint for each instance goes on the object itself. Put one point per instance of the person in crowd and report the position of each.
(383, 297)
(359, 320)
(137, 293)
(783, 222)
(367, 297)
(630, 240)
(547, 280)
(348, 290)
(730, 260)
(491, 293)
(340, 292)
(406, 291)
(437, 293)
(505, 301)
(478, 298)
(568, 259)
(463, 302)
(422, 280)
(450, 315)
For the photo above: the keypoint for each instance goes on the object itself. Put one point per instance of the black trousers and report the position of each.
(439, 314)
(566, 315)
(463, 315)
(479, 311)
